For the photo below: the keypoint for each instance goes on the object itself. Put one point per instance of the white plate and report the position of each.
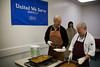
(59, 50)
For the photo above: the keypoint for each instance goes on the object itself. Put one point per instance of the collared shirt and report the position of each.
(89, 44)
(81, 39)
(55, 29)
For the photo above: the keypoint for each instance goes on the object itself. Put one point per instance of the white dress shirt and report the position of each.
(89, 44)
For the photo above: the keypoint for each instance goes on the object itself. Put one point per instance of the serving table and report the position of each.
(21, 62)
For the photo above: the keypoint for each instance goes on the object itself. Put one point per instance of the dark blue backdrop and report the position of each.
(29, 12)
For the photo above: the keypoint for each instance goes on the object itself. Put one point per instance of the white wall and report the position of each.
(66, 9)
(91, 16)
(14, 40)
(14, 36)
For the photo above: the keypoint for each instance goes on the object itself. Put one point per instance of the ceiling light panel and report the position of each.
(83, 1)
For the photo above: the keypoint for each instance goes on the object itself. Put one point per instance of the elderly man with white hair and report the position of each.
(82, 45)
(56, 37)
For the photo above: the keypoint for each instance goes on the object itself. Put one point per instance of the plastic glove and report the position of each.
(70, 56)
(81, 60)
(49, 43)
(63, 48)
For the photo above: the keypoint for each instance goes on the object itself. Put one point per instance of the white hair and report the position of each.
(55, 17)
(82, 25)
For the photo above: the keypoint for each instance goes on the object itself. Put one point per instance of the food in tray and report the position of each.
(68, 65)
(40, 58)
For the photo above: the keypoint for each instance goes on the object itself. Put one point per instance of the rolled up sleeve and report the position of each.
(91, 50)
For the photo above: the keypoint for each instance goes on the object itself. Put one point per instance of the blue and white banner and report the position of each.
(29, 12)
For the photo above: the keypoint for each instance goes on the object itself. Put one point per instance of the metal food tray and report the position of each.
(31, 62)
(75, 62)
(44, 64)
(66, 62)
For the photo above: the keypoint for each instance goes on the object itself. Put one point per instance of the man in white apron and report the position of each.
(82, 46)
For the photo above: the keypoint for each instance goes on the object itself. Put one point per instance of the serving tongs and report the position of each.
(68, 60)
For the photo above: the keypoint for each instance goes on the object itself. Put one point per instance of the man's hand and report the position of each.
(49, 43)
(81, 60)
(63, 48)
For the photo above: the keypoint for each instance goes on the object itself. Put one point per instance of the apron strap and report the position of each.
(52, 27)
